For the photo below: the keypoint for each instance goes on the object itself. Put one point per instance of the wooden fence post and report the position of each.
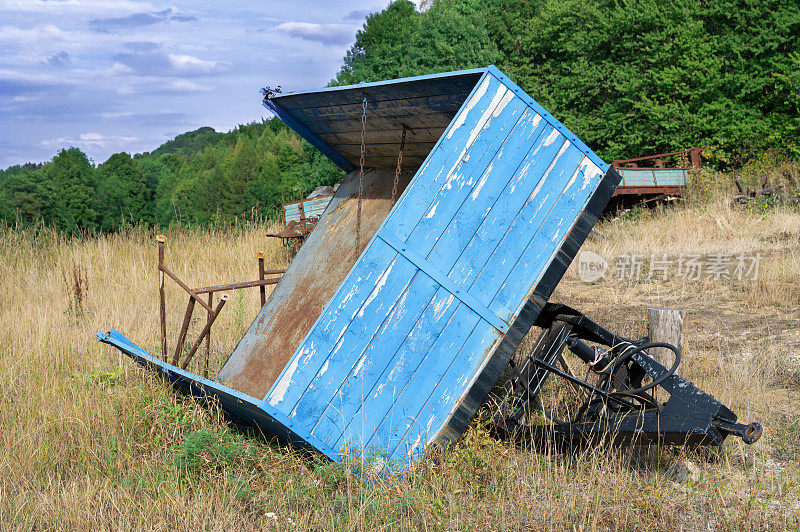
(262, 289)
(161, 300)
(665, 325)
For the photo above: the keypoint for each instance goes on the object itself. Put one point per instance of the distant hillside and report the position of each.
(190, 142)
(198, 177)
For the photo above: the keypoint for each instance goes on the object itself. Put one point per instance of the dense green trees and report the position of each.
(630, 77)
(122, 193)
(26, 197)
(71, 175)
(399, 41)
(198, 177)
(645, 76)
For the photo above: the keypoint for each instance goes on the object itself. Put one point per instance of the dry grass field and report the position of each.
(90, 441)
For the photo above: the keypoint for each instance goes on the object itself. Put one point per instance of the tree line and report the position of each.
(199, 177)
(629, 77)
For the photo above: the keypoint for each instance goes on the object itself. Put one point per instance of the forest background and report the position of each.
(630, 78)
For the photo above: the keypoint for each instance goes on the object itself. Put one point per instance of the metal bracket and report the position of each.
(444, 281)
(619, 408)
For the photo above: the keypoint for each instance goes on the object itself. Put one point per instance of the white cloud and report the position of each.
(119, 68)
(35, 34)
(76, 6)
(31, 77)
(90, 139)
(329, 34)
(183, 62)
(185, 85)
(112, 83)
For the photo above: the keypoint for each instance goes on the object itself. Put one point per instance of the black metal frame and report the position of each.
(619, 406)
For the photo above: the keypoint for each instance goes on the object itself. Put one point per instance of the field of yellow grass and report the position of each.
(89, 440)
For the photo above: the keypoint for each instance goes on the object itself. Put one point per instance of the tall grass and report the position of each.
(88, 440)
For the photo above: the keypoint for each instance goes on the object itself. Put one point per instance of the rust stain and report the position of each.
(308, 284)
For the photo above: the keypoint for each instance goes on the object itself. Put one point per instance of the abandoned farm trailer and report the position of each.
(415, 287)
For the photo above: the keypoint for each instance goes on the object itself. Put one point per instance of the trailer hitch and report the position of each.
(622, 402)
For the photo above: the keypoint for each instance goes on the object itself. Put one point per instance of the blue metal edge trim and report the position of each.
(549, 118)
(363, 85)
(306, 133)
(197, 385)
(385, 221)
(445, 282)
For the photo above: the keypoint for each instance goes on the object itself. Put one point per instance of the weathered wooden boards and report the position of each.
(426, 105)
(400, 349)
(391, 362)
(320, 266)
(308, 208)
(654, 177)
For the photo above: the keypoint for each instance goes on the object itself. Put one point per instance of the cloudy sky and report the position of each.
(114, 75)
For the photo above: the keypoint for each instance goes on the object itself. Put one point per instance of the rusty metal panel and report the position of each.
(323, 261)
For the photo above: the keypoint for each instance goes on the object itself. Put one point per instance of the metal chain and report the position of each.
(399, 165)
(361, 175)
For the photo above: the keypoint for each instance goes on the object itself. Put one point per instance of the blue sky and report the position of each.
(126, 75)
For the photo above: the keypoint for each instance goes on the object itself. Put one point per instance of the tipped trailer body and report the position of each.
(413, 290)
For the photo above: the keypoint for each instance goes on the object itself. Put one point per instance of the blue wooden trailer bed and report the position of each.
(387, 350)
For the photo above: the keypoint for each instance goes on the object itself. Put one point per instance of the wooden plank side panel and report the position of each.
(352, 125)
(402, 361)
(522, 186)
(410, 396)
(370, 272)
(462, 133)
(671, 176)
(354, 331)
(343, 355)
(371, 151)
(356, 389)
(653, 177)
(391, 379)
(467, 172)
(477, 352)
(384, 136)
(508, 246)
(529, 309)
(440, 104)
(399, 356)
(547, 240)
(422, 88)
(324, 261)
(447, 194)
(638, 178)
(542, 150)
(472, 208)
(315, 207)
(448, 392)
(506, 111)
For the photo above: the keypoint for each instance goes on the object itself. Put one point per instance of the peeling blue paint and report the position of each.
(403, 352)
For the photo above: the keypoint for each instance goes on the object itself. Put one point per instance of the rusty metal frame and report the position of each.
(693, 154)
(668, 190)
(211, 312)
